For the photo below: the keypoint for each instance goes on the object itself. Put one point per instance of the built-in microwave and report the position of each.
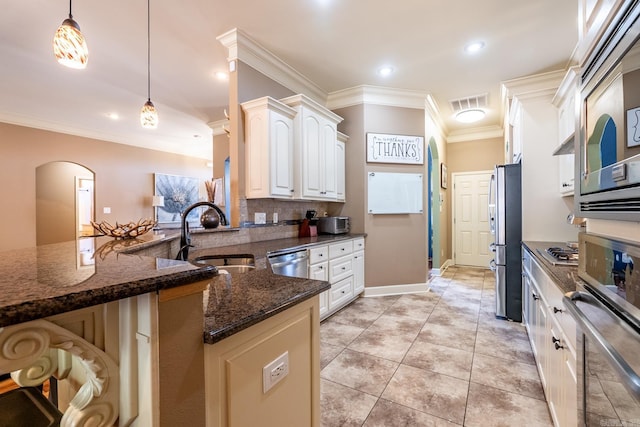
(608, 146)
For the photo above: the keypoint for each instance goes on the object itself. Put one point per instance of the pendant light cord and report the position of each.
(148, 50)
(70, 15)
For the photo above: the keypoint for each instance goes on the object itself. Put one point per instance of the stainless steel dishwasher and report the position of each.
(294, 263)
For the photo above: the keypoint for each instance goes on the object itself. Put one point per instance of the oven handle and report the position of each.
(627, 373)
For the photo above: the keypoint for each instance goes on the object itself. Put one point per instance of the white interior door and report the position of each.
(471, 219)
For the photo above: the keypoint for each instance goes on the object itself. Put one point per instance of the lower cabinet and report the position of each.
(342, 265)
(268, 374)
(552, 333)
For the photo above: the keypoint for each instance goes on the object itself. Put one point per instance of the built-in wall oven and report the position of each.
(608, 146)
(606, 306)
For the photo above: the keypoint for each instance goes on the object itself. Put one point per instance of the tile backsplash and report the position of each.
(288, 211)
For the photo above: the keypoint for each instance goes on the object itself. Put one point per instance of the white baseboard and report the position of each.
(379, 291)
(442, 269)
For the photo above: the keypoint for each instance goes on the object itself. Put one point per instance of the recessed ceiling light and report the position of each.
(221, 75)
(474, 47)
(385, 71)
(113, 116)
(470, 116)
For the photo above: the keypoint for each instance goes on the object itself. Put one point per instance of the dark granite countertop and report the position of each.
(564, 276)
(42, 281)
(238, 301)
(51, 279)
(262, 249)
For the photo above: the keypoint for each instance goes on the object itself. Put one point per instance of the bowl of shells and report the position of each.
(129, 230)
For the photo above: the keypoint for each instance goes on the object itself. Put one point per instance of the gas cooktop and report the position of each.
(560, 255)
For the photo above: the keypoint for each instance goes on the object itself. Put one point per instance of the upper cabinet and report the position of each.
(269, 149)
(293, 150)
(316, 135)
(341, 159)
(567, 102)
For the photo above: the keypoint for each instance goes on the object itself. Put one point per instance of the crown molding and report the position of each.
(530, 87)
(219, 127)
(243, 48)
(568, 83)
(475, 134)
(376, 95)
(433, 111)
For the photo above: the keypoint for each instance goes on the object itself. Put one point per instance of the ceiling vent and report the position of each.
(469, 103)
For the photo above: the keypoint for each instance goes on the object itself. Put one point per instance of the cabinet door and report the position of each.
(312, 154)
(340, 171)
(324, 304)
(358, 272)
(329, 171)
(319, 271)
(281, 156)
(566, 173)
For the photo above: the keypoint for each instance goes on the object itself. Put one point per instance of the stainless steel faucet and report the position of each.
(185, 238)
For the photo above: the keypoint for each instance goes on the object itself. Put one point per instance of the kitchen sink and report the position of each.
(234, 263)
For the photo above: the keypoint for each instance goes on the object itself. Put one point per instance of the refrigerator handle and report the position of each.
(492, 205)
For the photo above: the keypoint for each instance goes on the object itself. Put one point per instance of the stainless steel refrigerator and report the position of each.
(505, 222)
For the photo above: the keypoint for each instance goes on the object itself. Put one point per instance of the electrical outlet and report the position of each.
(260, 218)
(275, 371)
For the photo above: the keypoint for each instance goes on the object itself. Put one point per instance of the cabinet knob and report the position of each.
(320, 267)
(535, 297)
(557, 310)
(556, 343)
(344, 268)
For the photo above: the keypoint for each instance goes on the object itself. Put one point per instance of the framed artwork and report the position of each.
(179, 192)
(399, 149)
(633, 127)
(443, 175)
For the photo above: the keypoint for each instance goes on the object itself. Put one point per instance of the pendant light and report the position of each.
(148, 114)
(69, 45)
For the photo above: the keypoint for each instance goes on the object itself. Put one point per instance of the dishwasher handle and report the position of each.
(626, 372)
(276, 263)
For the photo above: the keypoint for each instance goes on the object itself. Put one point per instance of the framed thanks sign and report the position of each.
(386, 148)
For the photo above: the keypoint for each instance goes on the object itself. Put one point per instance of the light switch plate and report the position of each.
(260, 218)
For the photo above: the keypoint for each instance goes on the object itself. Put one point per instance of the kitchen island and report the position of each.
(142, 318)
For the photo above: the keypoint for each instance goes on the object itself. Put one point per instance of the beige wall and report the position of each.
(396, 244)
(471, 156)
(123, 177)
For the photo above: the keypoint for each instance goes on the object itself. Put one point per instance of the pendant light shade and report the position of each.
(69, 45)
(148, 114)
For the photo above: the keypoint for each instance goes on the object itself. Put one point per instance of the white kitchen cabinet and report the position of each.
(342, 265)
(566, 100)
(319, 270)
(269, 153)
(315, 147)
(340, 167)
(552, 334)
(358, 266)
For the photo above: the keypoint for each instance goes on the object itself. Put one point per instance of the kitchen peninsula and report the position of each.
(134, 324)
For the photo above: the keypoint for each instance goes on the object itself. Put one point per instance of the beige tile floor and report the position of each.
(435, 359)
